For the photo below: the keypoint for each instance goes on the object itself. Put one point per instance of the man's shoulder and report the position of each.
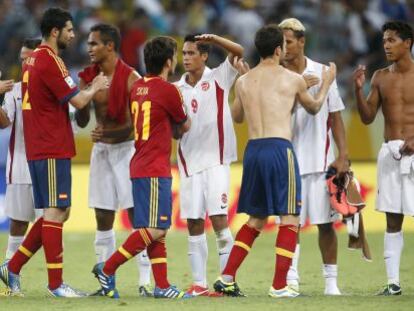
(382, 73)
(314, 66)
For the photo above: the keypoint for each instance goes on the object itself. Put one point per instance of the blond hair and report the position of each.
(292, 24)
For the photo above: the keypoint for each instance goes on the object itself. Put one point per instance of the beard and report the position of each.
(61, 44)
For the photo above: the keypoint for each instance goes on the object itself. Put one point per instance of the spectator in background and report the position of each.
(134, 35)
(365, 37)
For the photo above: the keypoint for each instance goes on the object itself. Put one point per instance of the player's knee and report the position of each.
(18, 228)
(326, 229)
(104, 219)
(393, 227)
(219, 222)
(195, 226)
(394, 222)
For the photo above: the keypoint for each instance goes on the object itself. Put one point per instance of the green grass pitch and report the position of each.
(358, 279)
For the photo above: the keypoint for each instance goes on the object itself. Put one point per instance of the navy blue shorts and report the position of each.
(152, 202)
(271, 179)
(52, 181)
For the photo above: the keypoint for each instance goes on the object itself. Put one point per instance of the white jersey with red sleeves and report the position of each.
(211, 140)
(17, 170)
(312, 135)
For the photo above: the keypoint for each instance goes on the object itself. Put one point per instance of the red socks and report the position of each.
(157, 253)
(53, 248)
(29, 247)
(135, 243)
(285, 249)
(242, 244)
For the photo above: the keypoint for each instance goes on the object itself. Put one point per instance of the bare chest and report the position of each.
(397, 89)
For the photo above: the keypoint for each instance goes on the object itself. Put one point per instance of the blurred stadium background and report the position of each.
(344, 31)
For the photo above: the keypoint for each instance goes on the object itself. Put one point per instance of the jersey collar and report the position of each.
(183, 83)
(310, 67)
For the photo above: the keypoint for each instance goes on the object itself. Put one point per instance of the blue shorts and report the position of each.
(271, 179)
(152, 202)
(52, 181)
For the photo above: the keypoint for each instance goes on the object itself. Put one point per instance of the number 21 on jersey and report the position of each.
(144, 128)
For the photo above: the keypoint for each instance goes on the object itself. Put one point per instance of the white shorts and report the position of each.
(110, 185)
(315, 200)
(19, 204)
(205, 192)
(395, 190)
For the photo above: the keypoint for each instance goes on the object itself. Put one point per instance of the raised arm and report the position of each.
(368, 107)
(233, 48)
(237, 112)
(314, 104)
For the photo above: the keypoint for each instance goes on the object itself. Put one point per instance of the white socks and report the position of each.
(393, 245)
(104, 245)
(330, 273)
(224, 240)
(144, 268)
(12, 245)
(197, 254)
(293, 273)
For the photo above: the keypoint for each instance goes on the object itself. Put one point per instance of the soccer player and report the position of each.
(311, 140)
(271, 181)
(109, 183)
(206, 151)
(392, 90)
(46, 89)
(19, 205)
(155, 105)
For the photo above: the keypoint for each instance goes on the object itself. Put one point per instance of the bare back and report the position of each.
(267, 94)
(396, 94)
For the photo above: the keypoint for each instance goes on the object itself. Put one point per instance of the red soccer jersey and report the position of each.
(155, 103)
(47, 89)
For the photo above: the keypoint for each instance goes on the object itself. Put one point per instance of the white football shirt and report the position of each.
(211, 140)
(312, 135)
(17, 170)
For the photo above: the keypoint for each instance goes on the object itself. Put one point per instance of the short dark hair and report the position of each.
(202, 47)
(108, 34)
(267, 39)
(403, 30)
(157, 51)
(54, 18)
(31, 43)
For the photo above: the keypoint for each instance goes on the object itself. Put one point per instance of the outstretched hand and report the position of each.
(241, 66)
(359, 76)
(6, 86)
(330, 73)
(311, 80)
(100, 82)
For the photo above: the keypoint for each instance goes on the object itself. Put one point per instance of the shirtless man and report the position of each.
(392, 89)
(271, 181)
(109, 183)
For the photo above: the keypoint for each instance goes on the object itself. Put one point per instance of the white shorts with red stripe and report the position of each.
(205, 193)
